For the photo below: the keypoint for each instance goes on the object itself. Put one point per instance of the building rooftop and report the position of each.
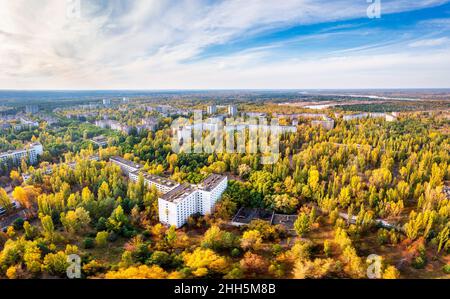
(211, 182)
(27, 147)
(179, 193)
(126, 162)
(159, 180)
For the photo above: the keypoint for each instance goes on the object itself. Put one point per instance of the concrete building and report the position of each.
(327, 123)
(100, 141)
(106, 102)
(113, 125)
(177, 205)
(31, 109)
(232, 110)
(178, 201)
(126, 166)
(31, 152)
(212, 109)
(388, 117)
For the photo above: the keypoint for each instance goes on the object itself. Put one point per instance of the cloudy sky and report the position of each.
(194, 44)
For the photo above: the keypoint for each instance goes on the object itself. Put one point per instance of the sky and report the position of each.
(230, 44)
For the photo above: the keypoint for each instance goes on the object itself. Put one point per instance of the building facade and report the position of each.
(232, 110)
(212, 109)
(176, 206)
(30, 152)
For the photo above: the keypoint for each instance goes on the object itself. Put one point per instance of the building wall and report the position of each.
(199, 201)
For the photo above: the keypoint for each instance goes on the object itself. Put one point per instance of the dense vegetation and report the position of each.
(368, 170)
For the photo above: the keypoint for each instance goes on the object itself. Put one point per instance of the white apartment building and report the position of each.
(388, 117)
(232, 110)
(126, 166)
(163, 185)
(212, 109)
(32, 152)
(327, 123)
(177, 205)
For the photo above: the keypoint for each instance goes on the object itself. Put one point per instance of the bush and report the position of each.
(88, 243)
(18, 223)
(235, 252)
(446, 269)
(419, 262)
(101, 239)
(101, 224)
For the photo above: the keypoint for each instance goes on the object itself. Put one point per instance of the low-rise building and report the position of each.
(126, 166)
(100, 141)
(163, 185)
(327, 123)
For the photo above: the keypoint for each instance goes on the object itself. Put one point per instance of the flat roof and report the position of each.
(211, 181)
(159, 180)
(179, 193)
(26, 148)
(126, 162)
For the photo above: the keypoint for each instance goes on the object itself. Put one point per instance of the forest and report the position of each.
(365, 187)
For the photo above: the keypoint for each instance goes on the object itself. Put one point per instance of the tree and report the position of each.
(48, 227)
(391, 273)
(5, 201)
(216, 239)
(253, 264)
(75, 221)
(30, 231)
(26, 196)
(202, 261)
(302, 224)
(251, 239)
(139, 272)
(117, 220)
(101, 239)
(56, 263)
(318, 268)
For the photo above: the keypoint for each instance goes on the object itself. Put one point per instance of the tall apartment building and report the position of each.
(31, 152)
(212, 109)
(31, 109)
(106, 102)
(232, 110)
(178, 201)
(177, 205)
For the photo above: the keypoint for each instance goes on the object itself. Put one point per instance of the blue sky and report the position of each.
(195, 44)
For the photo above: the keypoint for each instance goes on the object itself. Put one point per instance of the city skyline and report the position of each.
(223, 45)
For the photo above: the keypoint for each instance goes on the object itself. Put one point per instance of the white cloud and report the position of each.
(146, 43)
(430, 42)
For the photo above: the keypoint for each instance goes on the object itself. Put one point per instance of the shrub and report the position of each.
(446, 269)
(101, 239)
(88, 243)
(18, 223)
